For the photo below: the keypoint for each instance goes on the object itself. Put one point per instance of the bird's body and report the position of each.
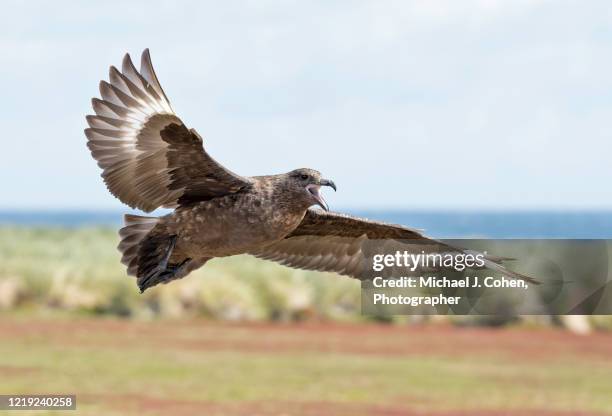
(236, 223)
(150, 159)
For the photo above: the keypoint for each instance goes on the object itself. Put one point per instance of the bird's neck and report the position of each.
(273, 190)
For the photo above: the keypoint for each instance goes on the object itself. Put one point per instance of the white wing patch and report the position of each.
(124, 136)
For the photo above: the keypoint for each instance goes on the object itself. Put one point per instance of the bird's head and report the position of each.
(305, 184)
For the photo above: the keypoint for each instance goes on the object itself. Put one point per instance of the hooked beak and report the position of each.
(328, 182)
(314, 191)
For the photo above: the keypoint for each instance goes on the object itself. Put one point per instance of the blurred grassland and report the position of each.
(79, 270)
(54, 281)
(193, 367)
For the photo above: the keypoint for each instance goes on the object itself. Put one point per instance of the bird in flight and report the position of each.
(151, 159)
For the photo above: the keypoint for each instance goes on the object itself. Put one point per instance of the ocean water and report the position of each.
(524, 224)
(510, 224)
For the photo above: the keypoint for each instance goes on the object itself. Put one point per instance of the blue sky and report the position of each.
(418, 105)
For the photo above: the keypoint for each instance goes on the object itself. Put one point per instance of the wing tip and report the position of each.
(103, 86)
(145, 60)
(112, 71)
(127, 66)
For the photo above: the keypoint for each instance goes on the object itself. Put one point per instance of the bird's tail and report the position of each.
(132, 236)
(148, 252)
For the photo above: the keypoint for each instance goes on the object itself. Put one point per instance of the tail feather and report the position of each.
(146, 251)
(132, 235)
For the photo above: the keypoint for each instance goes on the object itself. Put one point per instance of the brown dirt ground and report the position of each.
(431, 340)
(434, 340)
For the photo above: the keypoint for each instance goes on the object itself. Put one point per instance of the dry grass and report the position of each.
(79, 271)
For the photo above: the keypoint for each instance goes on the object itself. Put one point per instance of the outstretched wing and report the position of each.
(149, 158)
(332, 242)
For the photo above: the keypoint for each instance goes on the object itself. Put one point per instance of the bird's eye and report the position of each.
(304, 177)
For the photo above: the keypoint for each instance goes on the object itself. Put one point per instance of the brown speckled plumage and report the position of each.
(150, 159)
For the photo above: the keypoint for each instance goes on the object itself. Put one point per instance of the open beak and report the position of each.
(316, 194)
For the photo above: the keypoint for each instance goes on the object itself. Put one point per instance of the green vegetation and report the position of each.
(125, 367)
(64, 294)
(79, 271)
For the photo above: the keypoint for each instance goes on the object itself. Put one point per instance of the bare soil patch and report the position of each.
(378, 339)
